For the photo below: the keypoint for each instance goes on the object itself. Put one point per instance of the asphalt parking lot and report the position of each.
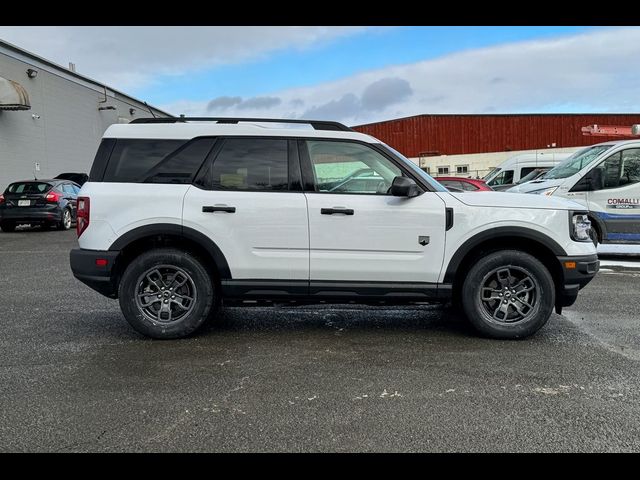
(75, 377)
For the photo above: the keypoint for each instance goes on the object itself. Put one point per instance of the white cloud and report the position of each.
(595, 71)
(130, 57)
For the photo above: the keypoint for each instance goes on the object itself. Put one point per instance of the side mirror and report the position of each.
(404, 187)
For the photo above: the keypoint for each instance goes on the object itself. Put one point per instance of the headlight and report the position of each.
(580, 227)
(545, 191)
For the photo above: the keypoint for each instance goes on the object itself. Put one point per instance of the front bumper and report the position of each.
(577, 272)
(49, 213)
(85, 269)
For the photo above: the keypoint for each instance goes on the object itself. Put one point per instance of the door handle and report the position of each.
(331, 211)
(218, 208)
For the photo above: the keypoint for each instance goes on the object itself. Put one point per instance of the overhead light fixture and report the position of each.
(108, 107)
(132, 111)
(31, 73)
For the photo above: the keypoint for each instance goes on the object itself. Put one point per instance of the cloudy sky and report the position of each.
(353, 74)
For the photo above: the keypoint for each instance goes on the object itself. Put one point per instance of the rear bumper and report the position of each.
(100, 278)
(576, 276)
(52, 213)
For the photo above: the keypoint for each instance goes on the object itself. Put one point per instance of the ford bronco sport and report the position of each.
(183, 215)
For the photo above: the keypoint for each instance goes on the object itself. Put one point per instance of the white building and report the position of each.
(52, 118)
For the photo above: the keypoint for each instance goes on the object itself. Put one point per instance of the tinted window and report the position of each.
(620, 169)
(28, 187)
(67, 188)
(251, 164)
(181, 165)
(526, 171)
(132, 160)
(344, 167)
(468, 186)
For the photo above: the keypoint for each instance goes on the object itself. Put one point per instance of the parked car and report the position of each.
(39, 202)
(465, 184)
(533, 175)
(605, 180)
(183, 215)
(79, 178)
(513, 169)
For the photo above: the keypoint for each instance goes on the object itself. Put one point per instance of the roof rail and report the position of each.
(316, 124)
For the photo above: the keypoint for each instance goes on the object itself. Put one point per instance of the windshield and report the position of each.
(576, 162)
(416, 169)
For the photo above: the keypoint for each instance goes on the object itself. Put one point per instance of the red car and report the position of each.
(464, 184)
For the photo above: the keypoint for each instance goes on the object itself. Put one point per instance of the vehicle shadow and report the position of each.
(339, 319)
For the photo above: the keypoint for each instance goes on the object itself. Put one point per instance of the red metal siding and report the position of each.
(458, 134)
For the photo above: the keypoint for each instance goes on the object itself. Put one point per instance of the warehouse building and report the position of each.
(52, 118)
(472, 145)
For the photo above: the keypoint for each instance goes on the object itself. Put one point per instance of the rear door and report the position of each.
(617, 201)
(248, 200)
(361, 233)
(71, 197)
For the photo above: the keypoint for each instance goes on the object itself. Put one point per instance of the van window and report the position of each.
(621, 169)
(524, 171)
(505, 177)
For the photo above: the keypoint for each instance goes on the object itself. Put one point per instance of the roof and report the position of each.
(188, 130)
(617, 142)
(493, 115)
(66, 71)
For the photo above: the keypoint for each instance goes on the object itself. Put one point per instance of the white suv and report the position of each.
(181, 215)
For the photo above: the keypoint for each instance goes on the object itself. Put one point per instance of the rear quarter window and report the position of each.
(156, 161)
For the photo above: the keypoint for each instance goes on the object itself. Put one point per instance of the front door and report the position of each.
(358, 231)
(616, 197)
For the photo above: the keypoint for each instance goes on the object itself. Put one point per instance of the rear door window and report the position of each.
(257, 164)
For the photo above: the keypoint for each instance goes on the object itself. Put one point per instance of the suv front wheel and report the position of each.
(166, 293)
(508, 294)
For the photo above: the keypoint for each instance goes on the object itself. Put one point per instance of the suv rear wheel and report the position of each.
(508, 294)
(166, 293)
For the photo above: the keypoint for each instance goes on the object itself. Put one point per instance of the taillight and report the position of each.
(83, 214)
(1, 198)
(52, 197)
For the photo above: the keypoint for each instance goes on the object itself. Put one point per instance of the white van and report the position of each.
(605, 178)
(513, 169)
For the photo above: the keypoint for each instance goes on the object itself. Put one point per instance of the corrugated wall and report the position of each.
(460, 134)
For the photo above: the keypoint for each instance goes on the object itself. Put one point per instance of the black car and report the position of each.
(79, 178)
(39, 202)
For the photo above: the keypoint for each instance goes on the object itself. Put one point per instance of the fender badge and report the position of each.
(423, 240)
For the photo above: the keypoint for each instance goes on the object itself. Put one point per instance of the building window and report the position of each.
(442, 170)
(427, 169)
(462, 169)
